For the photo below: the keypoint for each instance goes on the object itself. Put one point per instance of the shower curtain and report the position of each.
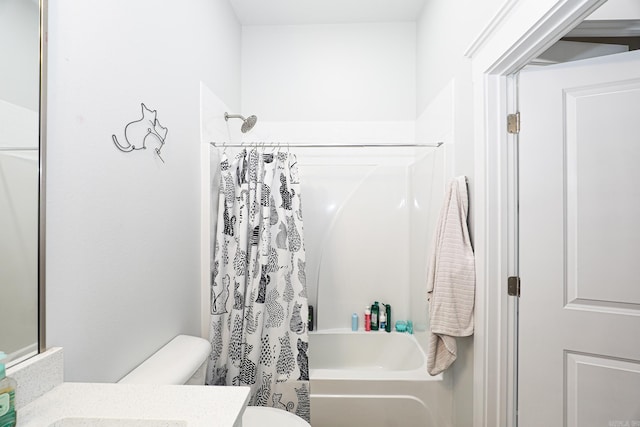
(258, 322)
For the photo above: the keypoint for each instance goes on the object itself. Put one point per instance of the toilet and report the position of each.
(187, 356)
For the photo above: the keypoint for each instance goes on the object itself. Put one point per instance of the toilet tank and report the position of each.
(181, 361)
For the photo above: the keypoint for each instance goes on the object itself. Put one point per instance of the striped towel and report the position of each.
(451, 280)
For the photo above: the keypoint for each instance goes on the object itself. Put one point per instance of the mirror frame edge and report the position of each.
(42, 179)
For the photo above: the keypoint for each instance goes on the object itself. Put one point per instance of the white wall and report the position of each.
(20, 47)
(123, 229)
(345, 72)
(444, 34)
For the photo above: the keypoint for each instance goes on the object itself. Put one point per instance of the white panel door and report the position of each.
(579, 213)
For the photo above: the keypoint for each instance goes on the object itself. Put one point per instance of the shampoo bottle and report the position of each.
(383, 321)
(8, 416)
(388, 325)
(354, 322)
(367, 319)
(375, 313)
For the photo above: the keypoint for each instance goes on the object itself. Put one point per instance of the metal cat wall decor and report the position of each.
(141, 133)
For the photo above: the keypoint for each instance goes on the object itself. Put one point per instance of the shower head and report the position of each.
(247, 124)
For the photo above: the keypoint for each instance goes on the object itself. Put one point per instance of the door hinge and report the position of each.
(513, 123)
(513, 286)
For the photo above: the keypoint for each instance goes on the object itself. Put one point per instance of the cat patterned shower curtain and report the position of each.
(258, 327)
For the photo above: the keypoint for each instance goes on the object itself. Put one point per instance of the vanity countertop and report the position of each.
(105, 405)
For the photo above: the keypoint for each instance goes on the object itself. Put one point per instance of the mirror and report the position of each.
(20, 174)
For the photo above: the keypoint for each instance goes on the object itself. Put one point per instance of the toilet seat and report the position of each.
(263, 416)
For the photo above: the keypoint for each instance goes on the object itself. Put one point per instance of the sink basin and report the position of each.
(115, 422)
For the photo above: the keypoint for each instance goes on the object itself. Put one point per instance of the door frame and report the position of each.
(520, 31)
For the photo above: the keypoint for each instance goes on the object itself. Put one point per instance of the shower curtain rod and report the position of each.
(332, 145)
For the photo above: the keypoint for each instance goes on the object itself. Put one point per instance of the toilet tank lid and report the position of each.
(174, 363)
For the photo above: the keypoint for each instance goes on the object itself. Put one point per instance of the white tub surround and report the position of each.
(93, 404)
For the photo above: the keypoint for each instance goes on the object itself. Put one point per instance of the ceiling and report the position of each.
(302, 12)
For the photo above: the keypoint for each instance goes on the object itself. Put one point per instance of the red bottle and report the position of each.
(367, 319)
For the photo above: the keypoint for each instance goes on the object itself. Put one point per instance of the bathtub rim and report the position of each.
(418, 374)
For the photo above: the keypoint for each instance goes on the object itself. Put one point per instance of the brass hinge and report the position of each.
(513, 123)
(513, 286)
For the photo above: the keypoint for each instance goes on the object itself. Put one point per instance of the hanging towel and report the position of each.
(450, 279)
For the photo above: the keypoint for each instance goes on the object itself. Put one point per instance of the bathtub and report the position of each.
(374, 379)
